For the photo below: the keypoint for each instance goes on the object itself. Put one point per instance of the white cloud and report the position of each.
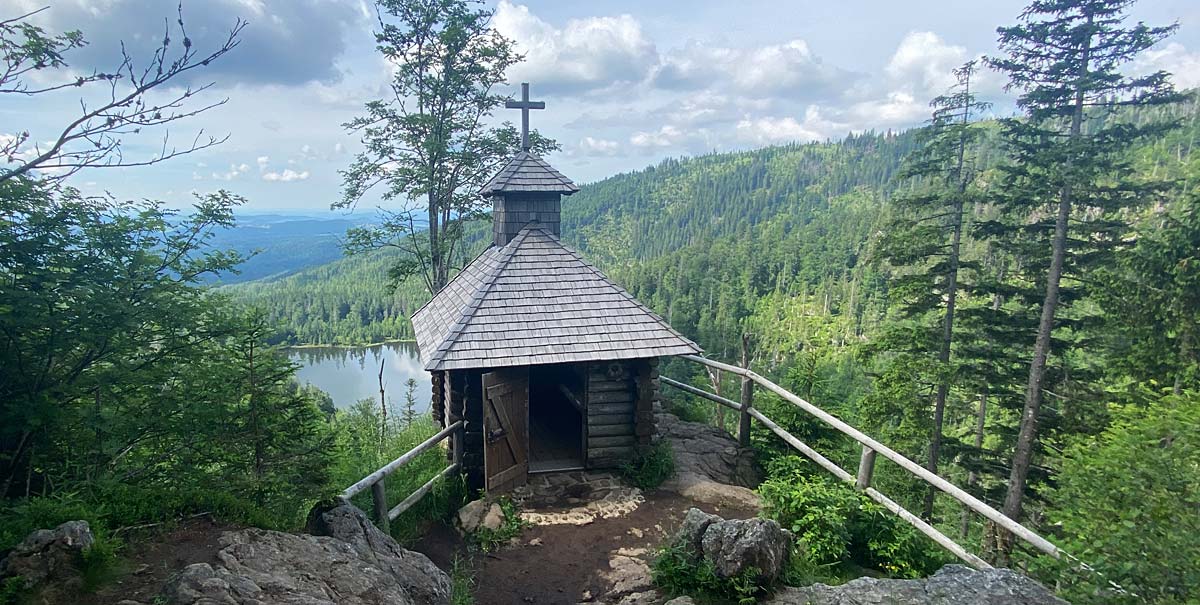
(584, 55)
(896, 109)
(925, 62)
(262, 162)
(1175, 58)
(594, 146)
(770, 130)
(286, 176)
(235, 170)
(753, 71)
(664, 137)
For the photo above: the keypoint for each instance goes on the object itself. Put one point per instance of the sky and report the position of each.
(626, 83)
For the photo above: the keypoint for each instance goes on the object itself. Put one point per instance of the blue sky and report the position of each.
(626, 83)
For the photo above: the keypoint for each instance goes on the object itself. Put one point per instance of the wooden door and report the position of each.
(505, 428)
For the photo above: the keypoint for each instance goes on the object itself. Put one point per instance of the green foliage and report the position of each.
(650, 466)
(817, 509)
(1127, 502)
(836, 525)
(12, 590)
(676, 571)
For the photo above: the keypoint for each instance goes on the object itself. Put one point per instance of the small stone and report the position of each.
(535, 542)
(635, 532)
(587, 595)
(681, 601)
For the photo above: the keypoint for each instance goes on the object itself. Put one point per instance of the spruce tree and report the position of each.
(1067, 182)
(925, 238)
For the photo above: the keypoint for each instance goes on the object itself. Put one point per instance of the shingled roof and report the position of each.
(528, 172)
(535, 301)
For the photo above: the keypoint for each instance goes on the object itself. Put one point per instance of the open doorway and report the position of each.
(555, 418)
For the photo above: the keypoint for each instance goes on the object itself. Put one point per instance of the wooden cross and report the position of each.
(525, 105)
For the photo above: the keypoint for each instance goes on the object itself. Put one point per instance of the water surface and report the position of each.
(349, 374)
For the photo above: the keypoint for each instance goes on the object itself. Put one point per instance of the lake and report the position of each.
(349, 374)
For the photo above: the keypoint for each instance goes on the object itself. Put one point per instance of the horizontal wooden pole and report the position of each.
(942, 539)
(729, 403)
(933, 479)
(791, 440)
(416, 496)
(408, 456)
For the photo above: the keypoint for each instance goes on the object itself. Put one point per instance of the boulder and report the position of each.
(737, 545)
(470, 516)
(951, 585)
(48, 555)
(353, 563)
(710, 466)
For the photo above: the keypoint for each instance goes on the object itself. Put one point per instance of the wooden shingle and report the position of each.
(527, 172)
(535, 301)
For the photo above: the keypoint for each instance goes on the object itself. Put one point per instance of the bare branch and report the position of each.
(94, 138)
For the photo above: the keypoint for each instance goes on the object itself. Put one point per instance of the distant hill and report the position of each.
(646, 218)
(280, 244)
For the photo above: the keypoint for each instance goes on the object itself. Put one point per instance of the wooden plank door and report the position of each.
(505, 428)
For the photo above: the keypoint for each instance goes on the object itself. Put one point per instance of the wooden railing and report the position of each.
(866, 466)
(375, 481)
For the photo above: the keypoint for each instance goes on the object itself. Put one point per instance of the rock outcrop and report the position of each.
(710, 466)
(951, 585)
(353, 563)
(48, 555)
(737, 545)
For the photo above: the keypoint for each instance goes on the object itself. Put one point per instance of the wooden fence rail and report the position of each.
(375, 481)
(870, 449)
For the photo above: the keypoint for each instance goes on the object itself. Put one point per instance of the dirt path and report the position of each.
(566, 563)
(155, 556)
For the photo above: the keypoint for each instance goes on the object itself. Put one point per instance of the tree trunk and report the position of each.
(1027, 435)
(436, 262)
(939, 404)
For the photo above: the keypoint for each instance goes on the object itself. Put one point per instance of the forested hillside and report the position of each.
(825, 194)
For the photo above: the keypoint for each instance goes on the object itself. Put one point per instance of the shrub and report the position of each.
(816, 509)
(650, 466)
(836, 524)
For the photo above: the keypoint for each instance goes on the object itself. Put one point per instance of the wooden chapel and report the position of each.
(552, 365)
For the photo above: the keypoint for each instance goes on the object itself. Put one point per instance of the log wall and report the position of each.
(464, 401)
(620, 415)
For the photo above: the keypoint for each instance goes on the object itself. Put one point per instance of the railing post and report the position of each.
(379, 499)
(747, 395)
(744, 419)
(866, 468)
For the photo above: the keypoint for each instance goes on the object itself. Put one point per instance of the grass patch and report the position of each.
(360, 454)
(462, 582)
(650, 466)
